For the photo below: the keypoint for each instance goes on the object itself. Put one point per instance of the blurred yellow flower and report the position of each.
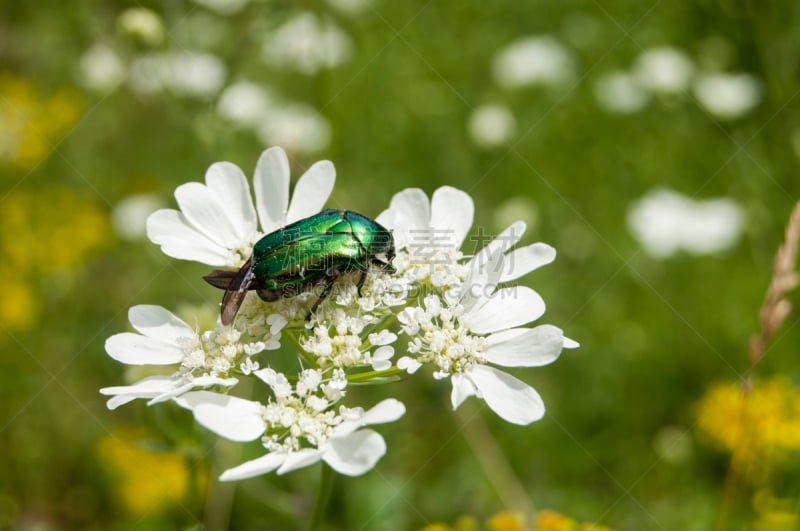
(33, 123)
(774, 514)
(437, 527)
(44, 232)
(137, 469)
(50, 230)
(758, 427)
(553, 521)
(20, 304)
(508, 521)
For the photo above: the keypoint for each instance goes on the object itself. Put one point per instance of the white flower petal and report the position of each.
(507, 308)
(134, 349)
(408, 211)
(179, 239)
(452, 210)
(481, 282)
(525, 347)
(462, 389)
(256, 467)
(384, 337)
(238, 420)
(300, 459)
(385, 411)
(120, 400)
(381, 365)
(195, 398)
(512, 399)
(383, 353)
(504, 241)
(146, 388)
(271, 183)
(202, 381)
(408, 364)
(206, 213)
(158, 323)
(525, 259)
(570, 343)
(227, 182)
(312, 191)
(356, 453)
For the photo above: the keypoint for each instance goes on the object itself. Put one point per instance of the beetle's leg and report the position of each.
(332, 275)
(361, 280)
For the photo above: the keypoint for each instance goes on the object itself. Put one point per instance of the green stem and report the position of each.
(323, 495)
(369, 375)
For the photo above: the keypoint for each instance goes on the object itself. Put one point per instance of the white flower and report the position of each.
(187, 73)
(533, 61)
(130, 215)
(620, 92)
(143, 24)
(203, 360)
(491, 125)
(350, 7)
(223, 7)
(479, 326)
(666, 222)
(296, 126)
(101, 69)
(728, 96)
(298, 430)
(664, 69)
(307, 44)
(245, 104)
(217, 223)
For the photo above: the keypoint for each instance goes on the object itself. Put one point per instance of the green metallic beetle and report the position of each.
(306, 254)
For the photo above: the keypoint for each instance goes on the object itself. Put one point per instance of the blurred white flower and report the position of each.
(101, 69)
(193, 74)
(620, 92)
(217, 223)
(130, 215)
(666, 222)
(203, 360)
(245, 103)
(728, 96)
(516, 208)
(350, 7)
(491, 125)
(664, 69)
(673, 444)
(533, 61)
(223, 7)
(299, 426)
(143, 24)
(295, 126)
(307, 44)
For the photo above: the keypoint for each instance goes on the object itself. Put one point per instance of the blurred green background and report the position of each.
(548, 111)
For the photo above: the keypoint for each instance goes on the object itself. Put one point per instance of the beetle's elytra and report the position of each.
(305, 254)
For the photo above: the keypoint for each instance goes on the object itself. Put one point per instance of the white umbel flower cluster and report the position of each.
(439, 308)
